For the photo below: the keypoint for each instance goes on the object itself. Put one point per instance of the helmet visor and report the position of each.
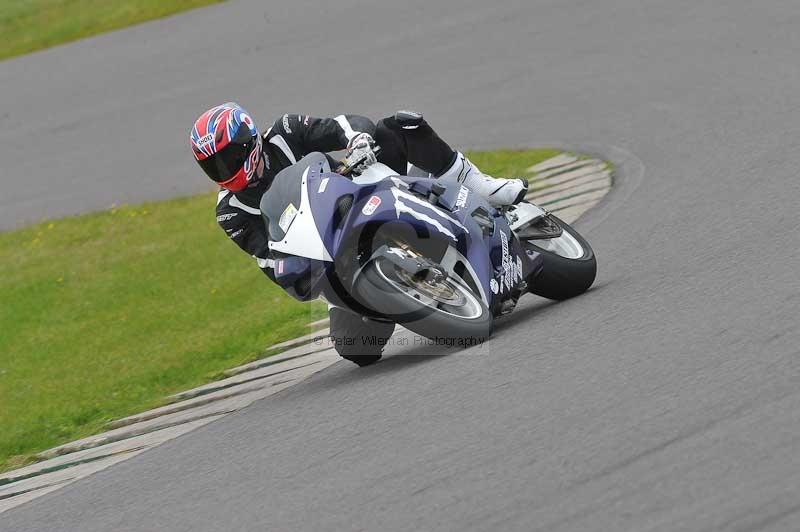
(224, 164)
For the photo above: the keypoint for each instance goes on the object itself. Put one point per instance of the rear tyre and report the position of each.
(444, 310)
(570, 266)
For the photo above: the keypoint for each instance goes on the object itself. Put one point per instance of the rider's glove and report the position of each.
(360, 149)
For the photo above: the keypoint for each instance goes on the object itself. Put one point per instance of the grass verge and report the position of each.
(31, 25)
(104, 315)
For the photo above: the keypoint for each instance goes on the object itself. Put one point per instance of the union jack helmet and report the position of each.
(226, 144)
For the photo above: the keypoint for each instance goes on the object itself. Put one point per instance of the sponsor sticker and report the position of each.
(323, 185)
(205, 139)
(288, 216)
(226, 217)
(279, 267)
(286, 124)
(461, 200)
(511, 272)
(371, 205)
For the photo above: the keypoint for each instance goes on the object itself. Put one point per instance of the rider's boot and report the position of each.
(498, 191)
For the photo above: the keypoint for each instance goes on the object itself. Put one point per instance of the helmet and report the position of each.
(226, 144)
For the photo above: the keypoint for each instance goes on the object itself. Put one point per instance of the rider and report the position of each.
(227, 145)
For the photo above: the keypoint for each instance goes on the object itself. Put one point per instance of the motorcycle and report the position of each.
(432, 256)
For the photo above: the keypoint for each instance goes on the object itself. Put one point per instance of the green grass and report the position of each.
(510, 162)
(29, 25)
(104, 315)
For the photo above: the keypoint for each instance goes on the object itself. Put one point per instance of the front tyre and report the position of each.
(570, 266)
(437, 306)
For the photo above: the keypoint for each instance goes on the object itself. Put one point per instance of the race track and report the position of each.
(666, 398)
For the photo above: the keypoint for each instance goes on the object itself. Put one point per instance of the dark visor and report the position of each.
(224, 164)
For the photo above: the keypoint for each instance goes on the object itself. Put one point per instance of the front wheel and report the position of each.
(569, 267)
(436, 305)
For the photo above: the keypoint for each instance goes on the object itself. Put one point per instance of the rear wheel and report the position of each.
(433, 303)
(570, 265)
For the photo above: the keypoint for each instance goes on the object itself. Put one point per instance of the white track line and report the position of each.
(554, 162)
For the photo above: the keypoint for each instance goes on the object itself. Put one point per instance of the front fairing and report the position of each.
(491, 255)
(344, 213)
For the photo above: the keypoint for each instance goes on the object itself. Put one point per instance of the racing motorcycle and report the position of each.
(434, 257)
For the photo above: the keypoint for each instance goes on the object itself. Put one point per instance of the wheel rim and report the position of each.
(442, 294)
(566, 246)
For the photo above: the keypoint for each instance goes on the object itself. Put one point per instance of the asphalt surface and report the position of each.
(666, 398)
